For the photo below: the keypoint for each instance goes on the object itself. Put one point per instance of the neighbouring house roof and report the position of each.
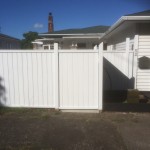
(143, 13)
(8, 37)
(88, 30)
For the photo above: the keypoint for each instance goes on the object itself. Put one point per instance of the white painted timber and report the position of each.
(100, 76)
(143, 75)
(118, 69)
(56, 74)
(26, 77)
(60, 79)
(78, 80)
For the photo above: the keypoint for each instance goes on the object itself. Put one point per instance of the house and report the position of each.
(129, 35)
(84, 38)
(127, 26)
(73, 79)
(8, 42)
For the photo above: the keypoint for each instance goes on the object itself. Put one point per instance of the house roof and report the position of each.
(94, 29)
(8, 37)
(140, 16)
(143, 13)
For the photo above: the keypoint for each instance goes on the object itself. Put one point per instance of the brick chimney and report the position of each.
(50, 23)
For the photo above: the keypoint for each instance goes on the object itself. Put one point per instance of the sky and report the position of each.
(21, 16)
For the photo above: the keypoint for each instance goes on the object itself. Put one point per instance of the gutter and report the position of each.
(123, 19)
(36, 42)
(78, 34)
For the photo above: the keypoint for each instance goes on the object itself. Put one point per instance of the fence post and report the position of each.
(100, 76)
(135, 63)
(127, 56)
(56, 75)
(95, 47)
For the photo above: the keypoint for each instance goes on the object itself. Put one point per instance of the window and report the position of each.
(81, 45)
(46, 47)
(51, 46)
(105, 46)
(144, 62)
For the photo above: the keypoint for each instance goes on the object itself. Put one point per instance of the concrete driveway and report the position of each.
(51, 130)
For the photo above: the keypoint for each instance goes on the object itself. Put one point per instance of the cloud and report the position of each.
(38, 25)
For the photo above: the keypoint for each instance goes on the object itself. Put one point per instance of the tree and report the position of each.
(28, 38)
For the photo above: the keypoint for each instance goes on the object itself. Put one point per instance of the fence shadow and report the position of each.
(2, 94)
(115, 85)
(114, 79)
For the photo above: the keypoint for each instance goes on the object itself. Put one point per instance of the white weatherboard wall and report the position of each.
(143, 75)
(61, 79)
(28, 78)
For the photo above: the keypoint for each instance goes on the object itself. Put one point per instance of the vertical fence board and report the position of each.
(16, 80)
(35, 80)
(11, 78)
(44, 66)
(6, 78)
(2, 82)
(50, 79)
(30, 79)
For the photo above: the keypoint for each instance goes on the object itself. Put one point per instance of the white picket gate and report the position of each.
(78, 80)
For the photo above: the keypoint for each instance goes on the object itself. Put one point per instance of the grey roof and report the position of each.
(8, 37)
(143, 13)
(94, 29)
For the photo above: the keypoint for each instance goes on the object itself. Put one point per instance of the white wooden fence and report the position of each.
(118, 70)
(67, 79)
(78, 80)
(63, 79)
(28, 78)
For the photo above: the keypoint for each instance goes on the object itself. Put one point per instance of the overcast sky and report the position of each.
(19, 16)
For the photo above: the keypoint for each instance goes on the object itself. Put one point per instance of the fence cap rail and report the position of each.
(78, 51)
(115, 51)
(48, 51)
(25, 51)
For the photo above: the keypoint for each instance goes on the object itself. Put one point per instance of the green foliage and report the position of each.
(28, 38)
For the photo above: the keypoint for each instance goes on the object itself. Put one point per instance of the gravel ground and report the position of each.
(46, 129)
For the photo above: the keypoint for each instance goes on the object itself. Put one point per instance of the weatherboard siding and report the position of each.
(143, 75)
